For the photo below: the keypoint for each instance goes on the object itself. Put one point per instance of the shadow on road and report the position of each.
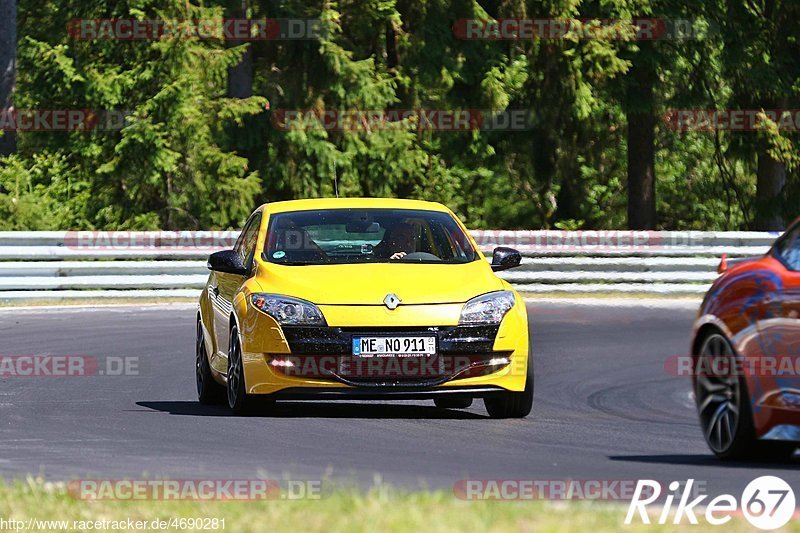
(318, 410)
(706, 460)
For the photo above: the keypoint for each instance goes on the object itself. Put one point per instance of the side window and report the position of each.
(787, 250)
(240, 241)
(246, 244)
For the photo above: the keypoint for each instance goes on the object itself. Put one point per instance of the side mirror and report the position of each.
(504, 258)
(227, 261)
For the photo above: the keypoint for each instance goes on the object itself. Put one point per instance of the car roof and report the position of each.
(353, 203)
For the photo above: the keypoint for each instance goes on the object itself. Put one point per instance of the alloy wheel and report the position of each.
(234, 368)
(718, 393)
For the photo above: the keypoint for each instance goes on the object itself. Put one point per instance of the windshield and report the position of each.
(337, 236)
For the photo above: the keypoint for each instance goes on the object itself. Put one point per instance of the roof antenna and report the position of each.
(335, 180)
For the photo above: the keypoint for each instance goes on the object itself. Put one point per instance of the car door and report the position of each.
(780, 331)
(224, 287)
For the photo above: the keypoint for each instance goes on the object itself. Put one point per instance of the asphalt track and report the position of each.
(605, 409)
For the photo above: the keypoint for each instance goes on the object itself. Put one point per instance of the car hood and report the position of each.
(368, 284)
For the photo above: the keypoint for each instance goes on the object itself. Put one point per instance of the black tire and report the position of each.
(239, 401)
(723, 404)
(725, 410)
(453, 402)
(209, 392)
(513, 404)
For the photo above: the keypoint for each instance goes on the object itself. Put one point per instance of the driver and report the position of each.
(399, 241)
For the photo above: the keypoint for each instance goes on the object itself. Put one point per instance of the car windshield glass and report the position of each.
(336, 236)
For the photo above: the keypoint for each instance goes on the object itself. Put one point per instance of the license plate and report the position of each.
(394, 346)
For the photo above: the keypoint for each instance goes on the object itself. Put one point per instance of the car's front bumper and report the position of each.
(497, 355)
(394, 393)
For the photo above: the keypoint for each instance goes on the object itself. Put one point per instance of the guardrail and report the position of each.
(57, 265)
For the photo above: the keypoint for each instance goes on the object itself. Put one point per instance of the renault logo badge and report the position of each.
(391, 301)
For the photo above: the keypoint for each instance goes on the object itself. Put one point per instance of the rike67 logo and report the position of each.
(767, 502)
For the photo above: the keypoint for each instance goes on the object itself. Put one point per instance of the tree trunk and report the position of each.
(8, 68)
(640, 102)
(769, 187)
(641, 171)
(240, 77)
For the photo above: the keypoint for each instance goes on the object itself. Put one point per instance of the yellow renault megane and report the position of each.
(362, 299)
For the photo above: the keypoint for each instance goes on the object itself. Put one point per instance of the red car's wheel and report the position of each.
(723, 404)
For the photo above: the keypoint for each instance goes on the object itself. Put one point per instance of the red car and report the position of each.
(746, 355)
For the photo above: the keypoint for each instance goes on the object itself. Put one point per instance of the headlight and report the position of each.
(288, 310)
(488, 308)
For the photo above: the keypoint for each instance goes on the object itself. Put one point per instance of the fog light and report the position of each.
(497, 361)
(284, 363)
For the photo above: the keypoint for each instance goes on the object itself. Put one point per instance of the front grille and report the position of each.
(326, 353)
(325, 340)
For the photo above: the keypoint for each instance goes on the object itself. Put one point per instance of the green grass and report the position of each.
(380, 509)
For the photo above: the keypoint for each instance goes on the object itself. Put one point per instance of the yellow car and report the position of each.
(362, 298)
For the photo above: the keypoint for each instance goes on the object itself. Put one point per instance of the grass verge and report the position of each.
(380, 509)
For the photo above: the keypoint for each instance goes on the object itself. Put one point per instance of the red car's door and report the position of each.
(777, 384)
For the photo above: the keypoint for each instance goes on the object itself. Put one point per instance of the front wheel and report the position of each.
(723, 405)
(238, 400)
(513, 404)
